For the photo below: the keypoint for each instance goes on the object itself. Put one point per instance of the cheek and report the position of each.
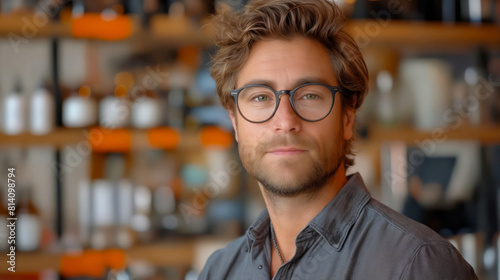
(246, 134)
(329, 136)
(329, 144)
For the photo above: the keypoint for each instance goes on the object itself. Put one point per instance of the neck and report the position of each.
(290, 215)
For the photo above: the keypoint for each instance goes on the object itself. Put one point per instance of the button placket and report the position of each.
(257, 260)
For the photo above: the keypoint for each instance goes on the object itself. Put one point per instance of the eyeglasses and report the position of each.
(312, 102)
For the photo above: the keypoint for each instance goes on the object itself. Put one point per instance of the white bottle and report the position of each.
(80, 110)
(102, 214)
(42, 112)
(386, 109)
(28, 226)
(15, 112)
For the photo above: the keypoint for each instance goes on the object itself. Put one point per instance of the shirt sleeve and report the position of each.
(438, 262)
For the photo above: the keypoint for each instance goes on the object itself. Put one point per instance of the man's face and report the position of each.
(286, 154)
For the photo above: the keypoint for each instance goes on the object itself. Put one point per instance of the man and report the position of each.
(292, 79)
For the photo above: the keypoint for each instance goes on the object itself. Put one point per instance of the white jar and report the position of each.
(79, 112)
(114, 112)
(146, 113)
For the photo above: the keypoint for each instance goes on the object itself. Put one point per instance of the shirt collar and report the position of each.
(339, 215)
(334, 222)
(260, 228)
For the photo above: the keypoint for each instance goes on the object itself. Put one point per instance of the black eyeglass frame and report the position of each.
(333, 89)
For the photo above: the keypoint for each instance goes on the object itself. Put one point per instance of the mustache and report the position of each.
(300, 142)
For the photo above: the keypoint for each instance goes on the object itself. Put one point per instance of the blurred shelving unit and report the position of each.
(410, 135)
(182, 31)
(173, 252)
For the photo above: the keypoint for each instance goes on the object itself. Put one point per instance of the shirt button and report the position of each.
(246, 249)
(260, 266)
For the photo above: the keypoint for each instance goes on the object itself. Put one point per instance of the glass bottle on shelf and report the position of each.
(41, 111)
(386, 108)
(141, 220)
(102, 214)
(14, 111)
(29, 229)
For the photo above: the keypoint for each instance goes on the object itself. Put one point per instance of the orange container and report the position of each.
(110, 140)
(163, 137)
(95, 26)
(216, 137)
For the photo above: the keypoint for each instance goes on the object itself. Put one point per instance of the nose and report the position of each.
(285, 119)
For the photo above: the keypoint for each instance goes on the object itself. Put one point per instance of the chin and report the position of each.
(287, 182)
(293, 178)
(288, 188)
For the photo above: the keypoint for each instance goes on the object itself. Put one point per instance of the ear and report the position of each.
(348, 122)
(234, 121)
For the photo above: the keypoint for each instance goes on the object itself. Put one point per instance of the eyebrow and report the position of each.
(299, 82)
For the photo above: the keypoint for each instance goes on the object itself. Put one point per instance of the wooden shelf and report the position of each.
(144, 139)
(483, 134)
(164, 30)
(57, 138)
(27, 27)
(124, 140)
(178, 253)
(423, 35)
(398, 34)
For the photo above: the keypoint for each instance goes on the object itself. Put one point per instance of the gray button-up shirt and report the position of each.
(353, 237)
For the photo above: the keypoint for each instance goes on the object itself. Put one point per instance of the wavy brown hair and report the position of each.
(321, 20)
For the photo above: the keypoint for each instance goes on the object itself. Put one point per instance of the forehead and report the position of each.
(284, 63)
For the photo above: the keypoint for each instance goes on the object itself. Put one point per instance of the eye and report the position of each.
(310, 96)
(261, 98)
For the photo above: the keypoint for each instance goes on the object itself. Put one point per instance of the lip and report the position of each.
(286, 151)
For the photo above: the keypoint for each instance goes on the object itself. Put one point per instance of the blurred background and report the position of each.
(125, 164)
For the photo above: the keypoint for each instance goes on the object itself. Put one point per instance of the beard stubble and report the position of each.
(311, 174)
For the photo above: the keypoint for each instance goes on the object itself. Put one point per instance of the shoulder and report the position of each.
(437, 261)
(222, 260)
(233, 249)
(398, 223)
(429, 255)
